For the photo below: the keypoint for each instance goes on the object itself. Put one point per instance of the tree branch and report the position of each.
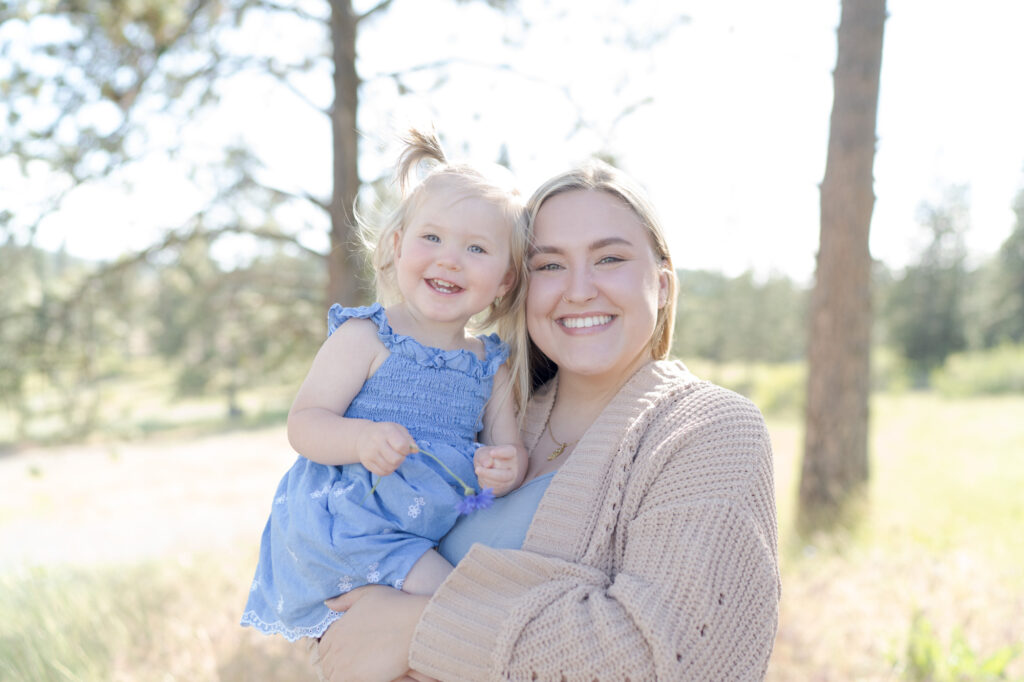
(379, 7)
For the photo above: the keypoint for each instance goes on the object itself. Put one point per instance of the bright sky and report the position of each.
(731, 144)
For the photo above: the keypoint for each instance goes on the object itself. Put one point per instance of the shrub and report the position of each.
(996, 370)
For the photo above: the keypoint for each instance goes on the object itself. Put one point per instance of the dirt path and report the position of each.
(127, 501)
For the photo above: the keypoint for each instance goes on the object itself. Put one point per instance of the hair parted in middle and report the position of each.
(423, 167)
(596, 175)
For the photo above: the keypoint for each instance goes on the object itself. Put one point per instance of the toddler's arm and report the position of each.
(316, 428)
(501, 462)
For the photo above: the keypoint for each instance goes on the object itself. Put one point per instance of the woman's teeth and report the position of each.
(582, 322)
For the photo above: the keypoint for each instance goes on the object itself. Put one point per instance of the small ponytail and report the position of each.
(420, 147)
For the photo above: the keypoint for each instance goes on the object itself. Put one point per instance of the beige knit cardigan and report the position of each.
(652, 556)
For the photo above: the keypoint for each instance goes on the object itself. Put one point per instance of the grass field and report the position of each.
(131, 560)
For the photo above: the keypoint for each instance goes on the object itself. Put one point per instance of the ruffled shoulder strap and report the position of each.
(495, 353)
(339, 314)
(495, 350)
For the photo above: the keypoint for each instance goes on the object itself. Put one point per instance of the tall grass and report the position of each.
(940, 543)
(159, 621)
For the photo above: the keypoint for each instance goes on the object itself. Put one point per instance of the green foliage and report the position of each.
(776, 388)
(77, 328)
(991, 371)
(927, 659)
(1004, 318)
(728, 319)
(925, 306)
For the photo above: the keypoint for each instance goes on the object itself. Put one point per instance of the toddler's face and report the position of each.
(454, 257)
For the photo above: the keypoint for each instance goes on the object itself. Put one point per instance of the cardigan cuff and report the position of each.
(460, 634)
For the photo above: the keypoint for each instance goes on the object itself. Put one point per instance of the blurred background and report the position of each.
(177, 181)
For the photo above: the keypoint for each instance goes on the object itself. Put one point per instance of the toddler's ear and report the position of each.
(507, 281)
(397, 239)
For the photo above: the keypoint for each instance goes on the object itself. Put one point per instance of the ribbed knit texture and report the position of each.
(653, 555)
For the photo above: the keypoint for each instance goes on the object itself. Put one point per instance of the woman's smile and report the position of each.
(585, 322)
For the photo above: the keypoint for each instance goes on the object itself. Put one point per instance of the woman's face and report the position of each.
(595, 285)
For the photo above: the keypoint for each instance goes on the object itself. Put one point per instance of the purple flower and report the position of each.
(471, 503)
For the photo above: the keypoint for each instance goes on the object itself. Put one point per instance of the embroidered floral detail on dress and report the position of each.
(414, 508)
(338, 492)
(399, 583)
(345, 584)
(320, 493)
(372, 574)
(281, 499)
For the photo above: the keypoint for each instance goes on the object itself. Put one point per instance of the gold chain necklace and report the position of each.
(561, 446)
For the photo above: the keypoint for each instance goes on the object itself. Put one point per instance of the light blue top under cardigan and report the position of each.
(502, 525)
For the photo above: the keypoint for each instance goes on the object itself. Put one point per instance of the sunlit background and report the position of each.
(720, 109)
(150, 344)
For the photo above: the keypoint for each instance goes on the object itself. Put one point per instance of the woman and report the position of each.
(652, 553)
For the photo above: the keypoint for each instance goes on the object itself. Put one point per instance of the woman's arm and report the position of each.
(692, 592)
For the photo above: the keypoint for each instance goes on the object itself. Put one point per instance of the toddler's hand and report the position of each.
(500, 467)
(384, 446)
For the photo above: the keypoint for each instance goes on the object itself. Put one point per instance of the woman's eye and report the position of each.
(610, 259)
(547, 266)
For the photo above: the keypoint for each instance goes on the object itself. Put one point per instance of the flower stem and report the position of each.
(466, 490)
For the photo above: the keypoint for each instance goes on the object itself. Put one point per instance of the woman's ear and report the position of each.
(664, 279)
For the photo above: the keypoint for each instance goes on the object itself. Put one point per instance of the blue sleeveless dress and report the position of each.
(326, 534)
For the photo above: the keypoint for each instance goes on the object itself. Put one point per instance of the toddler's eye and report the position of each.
(476, 249)
(431, 237)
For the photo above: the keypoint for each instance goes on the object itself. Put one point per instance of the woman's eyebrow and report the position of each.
(594, 246)
(609, 241)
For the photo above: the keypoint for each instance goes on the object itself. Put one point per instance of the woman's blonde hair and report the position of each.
(423, 167)
(599, 176)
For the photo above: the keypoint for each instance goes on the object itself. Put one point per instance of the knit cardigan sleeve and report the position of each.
(689, 590)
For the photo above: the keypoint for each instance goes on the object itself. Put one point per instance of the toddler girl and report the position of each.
(388, 420)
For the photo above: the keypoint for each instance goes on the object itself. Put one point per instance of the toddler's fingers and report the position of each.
(503, 453)
(495, 475)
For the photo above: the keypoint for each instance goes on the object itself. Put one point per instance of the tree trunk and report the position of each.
(344, 260)
(835, 462)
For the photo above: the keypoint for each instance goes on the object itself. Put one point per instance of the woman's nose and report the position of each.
(580, 287)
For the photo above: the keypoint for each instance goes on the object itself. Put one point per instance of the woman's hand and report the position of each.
(371, 642)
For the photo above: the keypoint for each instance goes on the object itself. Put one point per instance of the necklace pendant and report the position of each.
(558, 451)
